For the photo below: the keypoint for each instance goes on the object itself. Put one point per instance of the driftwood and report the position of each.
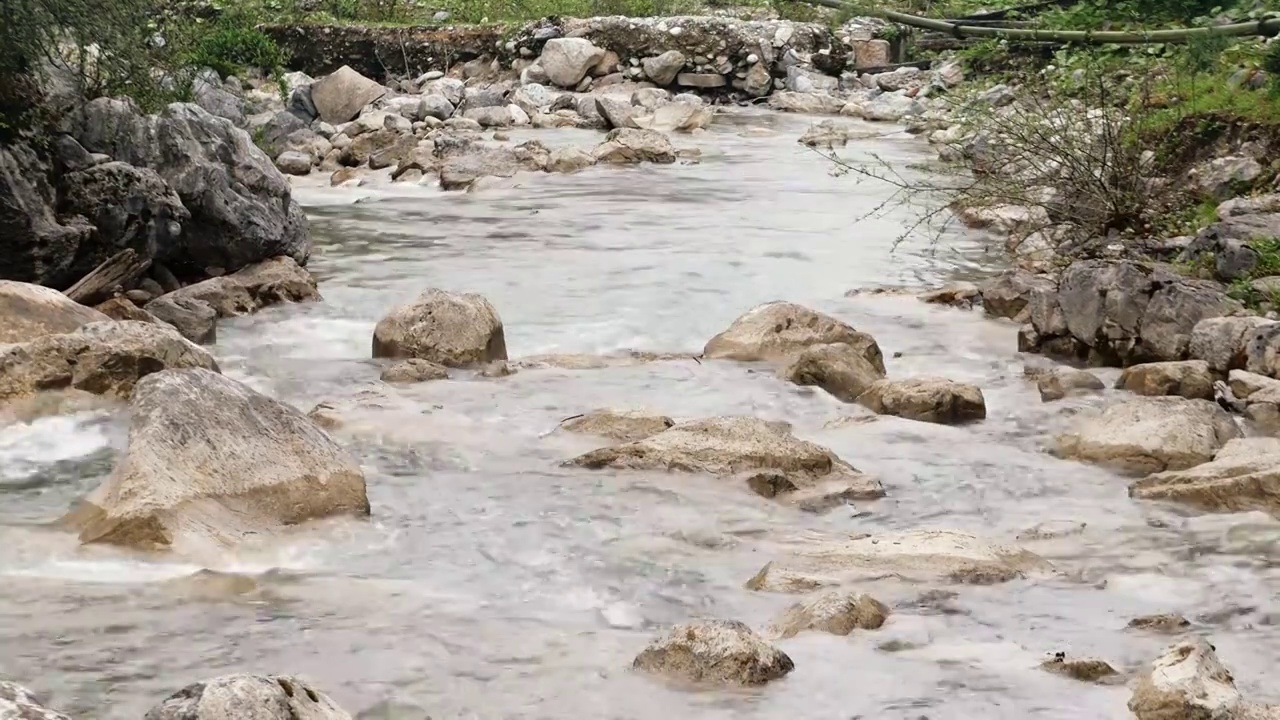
(117, 274)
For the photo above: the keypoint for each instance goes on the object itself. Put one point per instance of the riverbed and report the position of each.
(493, 583)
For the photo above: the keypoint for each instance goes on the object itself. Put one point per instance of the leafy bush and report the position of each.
(233, 45)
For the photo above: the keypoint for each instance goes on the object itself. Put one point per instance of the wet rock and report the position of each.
(569, 160)
(566, 61)
(210, 462)
(627, 146)
(617, 112)
(463, 161)
(29, 311)
(778, 331)
(122, 308)
(1057, 383)
(1010, 294)
(104, 358)
(935, 400)
(720, 652)
(662, 69)
(1084, 669)
(957, 294)
(841, 369)
(1164, 623)
(341, 95)
(194, 318)
(415, 370)
(452, 329)
(270, 282)
(621, 425)
(923, 555)
(584, 361)
(807, 103)
(249, 697)
(1243, 476)
(1149, 435)
(837, 612)
(19, 703)
(1188, 682)
(1223, 341)
(676, 117)
(730, 445)
(1187, 378)
(826, 134)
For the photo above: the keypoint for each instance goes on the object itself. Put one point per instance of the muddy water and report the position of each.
(491, 583)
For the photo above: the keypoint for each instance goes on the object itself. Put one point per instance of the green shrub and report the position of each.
(231, 49)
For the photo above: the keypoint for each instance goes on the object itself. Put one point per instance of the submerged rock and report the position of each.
(1164, 622)
(730, 445)
(452, 329)
(1060, 382)
(837, 612)
(778, 331)
(720, 652)
(104, 358)
(19, 703)
(622, 425)
(271, 282)
(629, 145)
(841, 369)
(414, 370)
(28, 311)
(1083, 669)
(923, 555)
(210, 462)
(1148, 435)
(1244, 475)
(935, 400)
(1186, 378)
(1188, 682)
(249, 697)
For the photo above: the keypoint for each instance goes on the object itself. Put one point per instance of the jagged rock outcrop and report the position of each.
(1188, 682)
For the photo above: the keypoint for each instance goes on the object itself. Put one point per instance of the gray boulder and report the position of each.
(778, 331)
(36, 245)
(341, 95)
(567, 60)
(452, 329)
(662, 69)
(436, 106)
(19, 703)
(220, 102)
(194, 318)
(248, 697)
(629, 146)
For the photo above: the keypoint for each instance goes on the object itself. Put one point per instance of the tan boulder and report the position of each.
(452, 329)
(1188, 682)
(196, 319)
(935, 400)
(1059, 382)
(777, 331)
(841, 369)
(924, 555)
(728, 446)
(1223, 341)
(104, 358)
(836, 611)
(211, 462)
(270, 282)
(625, 146)
(1186, 378)
(1147, 435)
(717, 652)
(249, 697)
(621, 425)
(122, 308)
(28, 311)
(1244, 475)
(1162, 623)
(415, 370)
(1089, 670)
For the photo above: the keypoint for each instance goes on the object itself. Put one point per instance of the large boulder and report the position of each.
(248, 697)
(464, 160)
(628, 146)
(19, 703)
(778, 331)
(1188, 682)
(935, 400)
(567, 60)
(452, 329)
(662, 69)
(1223, 341)
(196, 319)
(36, 245)
(1244, 475)
(242, 209)
(270, 282)
(340, 96)
(838, 612)
(29, 311)
(718, 652)
(741, 446)
(620, 425)
(924, 555)
(211, 462)
(1124, 313)
(104, 358)
(1149, 435)
(1009, 294)
(841, 369)
(1187, 378)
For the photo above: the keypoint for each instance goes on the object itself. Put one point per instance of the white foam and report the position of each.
(26, 447)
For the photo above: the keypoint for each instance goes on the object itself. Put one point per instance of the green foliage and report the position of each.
(1271, 64)
(231, 44)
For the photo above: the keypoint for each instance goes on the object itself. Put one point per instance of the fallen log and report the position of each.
(118, 273)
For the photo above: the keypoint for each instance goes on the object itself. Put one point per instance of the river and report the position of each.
(491, 583)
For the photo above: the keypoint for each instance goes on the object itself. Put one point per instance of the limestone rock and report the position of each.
(719, 652)
(676, 117)
(415, 370)
(210, 462)
(616, 111)
(959, 294)
(122, 308)
(569, 160)
(1186, 378)
(1084, 669)
(248, 697)
(730, 445)
(621, 425)
(1059, 382)
(1148, 435)
(629, 145)
(1188, 682)
(841, 369)
(341, 95)
(567, 60)
(452, 329)
(29, 311)
(662, 69)
(270, 282)
(1009, 295)
(924, 555)
(19, 703)
(778, 331)
(104, 358)
(293, 162)
(1223, 341)
(837, 612)
(1244, 475)
(935, 400)
(1163, 622)
(808, 103)
(194, 318)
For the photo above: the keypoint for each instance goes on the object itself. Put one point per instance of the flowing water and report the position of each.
(492, 583)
